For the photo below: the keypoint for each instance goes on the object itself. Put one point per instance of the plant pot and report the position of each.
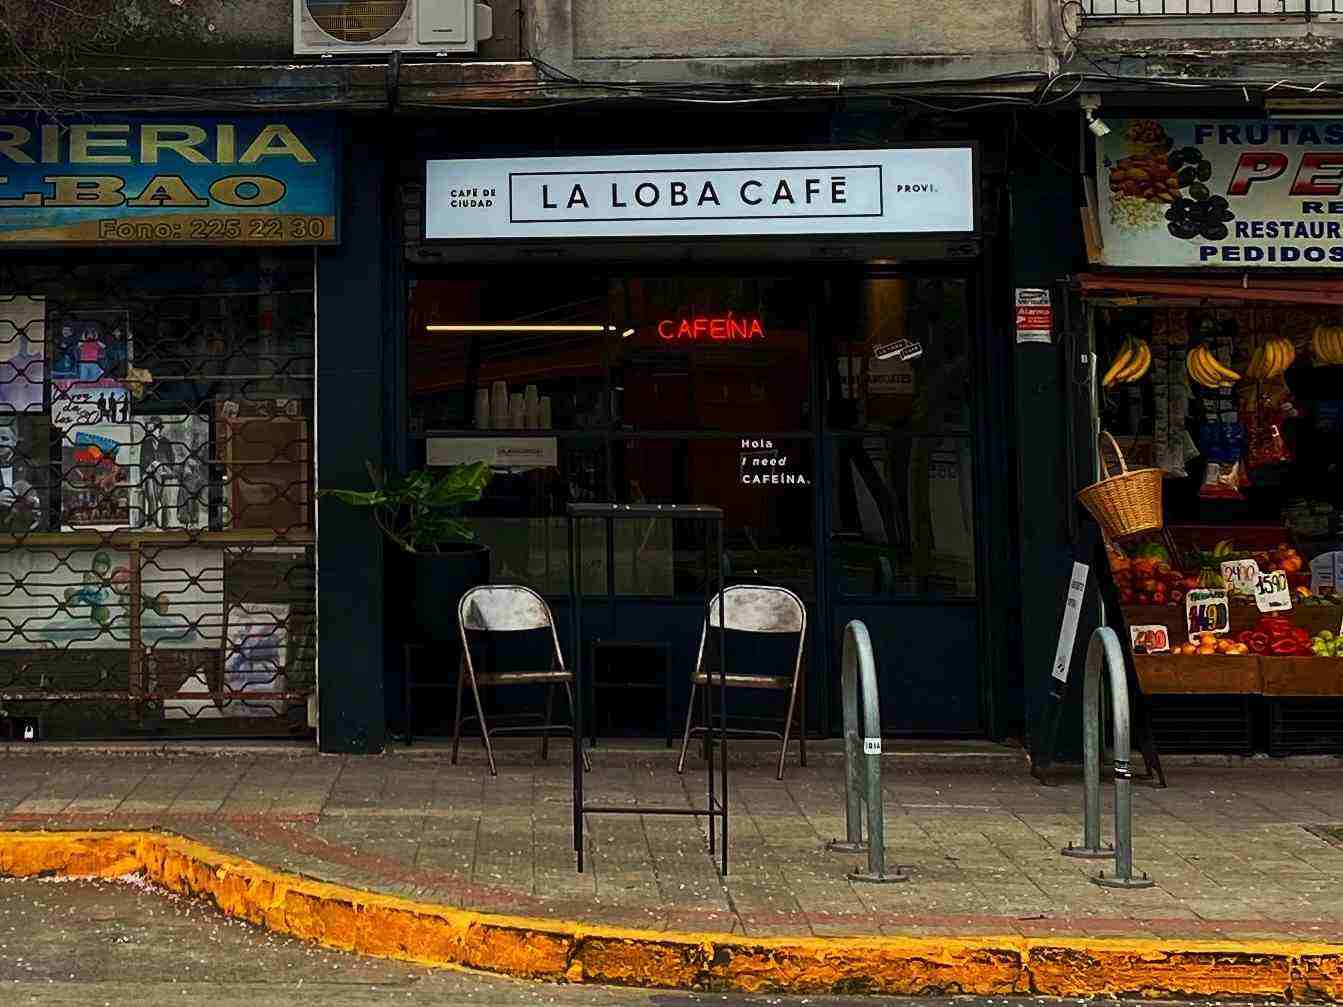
(437, 582)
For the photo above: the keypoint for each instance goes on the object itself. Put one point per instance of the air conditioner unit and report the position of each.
(354, 27)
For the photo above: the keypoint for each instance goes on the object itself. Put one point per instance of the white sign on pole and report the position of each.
(914, 190)
(1072, 612)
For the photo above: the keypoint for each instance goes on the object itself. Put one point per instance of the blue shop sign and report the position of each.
(123, 180)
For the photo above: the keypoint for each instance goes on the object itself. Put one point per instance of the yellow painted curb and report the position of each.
(350, 919)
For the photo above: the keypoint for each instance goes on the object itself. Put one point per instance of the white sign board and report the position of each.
(1072, 611)
(1273, 593)
(1326, 573)
(1240, 194)
(916, 190)
(497, 452)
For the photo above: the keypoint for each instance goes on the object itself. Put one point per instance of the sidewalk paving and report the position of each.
(1235, 852)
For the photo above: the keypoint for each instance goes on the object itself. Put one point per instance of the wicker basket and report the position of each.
(1126, 504)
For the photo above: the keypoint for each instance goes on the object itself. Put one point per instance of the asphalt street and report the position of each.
(104, 944)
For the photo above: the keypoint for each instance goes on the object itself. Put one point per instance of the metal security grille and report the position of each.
(157, 548)
(1208, 8)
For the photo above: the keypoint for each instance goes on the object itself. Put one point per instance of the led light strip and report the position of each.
(552, 327)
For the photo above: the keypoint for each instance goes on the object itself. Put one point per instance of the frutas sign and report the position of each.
(917, 190)
(200, 181)
(1240, 194)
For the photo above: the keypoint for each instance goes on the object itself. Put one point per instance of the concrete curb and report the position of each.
(349, 919)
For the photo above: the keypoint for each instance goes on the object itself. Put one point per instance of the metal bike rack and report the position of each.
(862, 760)
(1104, 649)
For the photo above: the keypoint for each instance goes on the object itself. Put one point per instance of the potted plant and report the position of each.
(421, 512)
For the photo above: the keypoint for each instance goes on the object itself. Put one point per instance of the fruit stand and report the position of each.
(1239, 593)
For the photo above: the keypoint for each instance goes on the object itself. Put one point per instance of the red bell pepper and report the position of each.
(1286, 647)
(1259, 643)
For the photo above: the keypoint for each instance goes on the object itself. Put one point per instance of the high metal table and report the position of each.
(716, 806)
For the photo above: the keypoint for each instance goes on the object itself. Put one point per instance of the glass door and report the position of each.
(899, 448)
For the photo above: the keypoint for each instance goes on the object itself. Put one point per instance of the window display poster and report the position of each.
(170, 485)
(25, 473)
(267, 465)
(90, 345)
(81, 598)
(95, 476)
(254, 660)
(22, 353)
(85, 403)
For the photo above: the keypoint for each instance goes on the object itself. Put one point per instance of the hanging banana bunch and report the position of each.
(1207, 370)
(1326, 343)
(1132, 361)
(1271, 359)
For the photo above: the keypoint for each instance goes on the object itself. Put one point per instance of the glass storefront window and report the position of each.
(765, 485)
(901, 355)
(711, 353)
(157, 548)
(515, 355)
(903, 516)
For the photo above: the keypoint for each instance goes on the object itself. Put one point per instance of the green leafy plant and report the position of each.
(421, 510)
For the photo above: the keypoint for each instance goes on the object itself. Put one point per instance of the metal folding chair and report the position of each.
(509, 608)
(755, 609)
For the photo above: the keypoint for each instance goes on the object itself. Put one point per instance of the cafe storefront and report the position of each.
(797, 336)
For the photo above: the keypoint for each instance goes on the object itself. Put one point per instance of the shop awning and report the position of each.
(1242, 287)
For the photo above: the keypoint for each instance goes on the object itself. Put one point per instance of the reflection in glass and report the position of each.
(765, 486)
(903, 516)
(711, 353)
(904, 363)
(508, 380)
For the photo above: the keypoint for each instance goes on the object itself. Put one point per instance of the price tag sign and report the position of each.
(1241, 576)
(1206, 610)
(1273, 593)
(1149, 639)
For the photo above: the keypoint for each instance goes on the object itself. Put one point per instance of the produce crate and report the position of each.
(1162, 675)
(1303, 676)
(1299, 726)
